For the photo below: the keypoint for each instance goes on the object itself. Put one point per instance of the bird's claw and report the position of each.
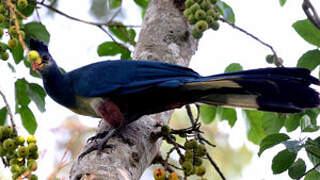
(99, 135)
(96, 146)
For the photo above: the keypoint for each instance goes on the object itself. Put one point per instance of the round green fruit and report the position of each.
(4, 56)
(3, 10)
(9, 145)
(188, 3)
(196, 34)
(13, 31)
(205, 5)
(191, 144)
(22, 4)
(213, 1)
(200, 170)
(202, 25)
(192, 20)
(197, 161)
(210, 12)
(33, 56)
(33, 155)
(12, 43)
(201, 150)
(200, 14)
(32, 147)
(165, 130)
(195, 7)
(34, 177)
(32, 165)
(187, 166)
(215, 25)
(23, 151)
(270, 58)
(187, 12)
(188, 154)
(8, 131)
(15, 168)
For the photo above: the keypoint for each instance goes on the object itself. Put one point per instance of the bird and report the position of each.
(122, 91)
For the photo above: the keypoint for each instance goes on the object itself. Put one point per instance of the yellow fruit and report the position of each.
(200, 171)
(23, 151)
(32, 147)
(33, 55)
(4, 56)
(174, 176)
(159, 174)
(20, 140)
(31, 139)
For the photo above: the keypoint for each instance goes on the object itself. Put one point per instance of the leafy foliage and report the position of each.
(282, 161)
(308, 32)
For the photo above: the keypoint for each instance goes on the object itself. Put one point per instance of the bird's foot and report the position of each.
(99, 145)
(99, 135)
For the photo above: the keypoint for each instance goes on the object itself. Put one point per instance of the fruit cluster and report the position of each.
(7, 22)
(271, 59)
(160, 174)
(202, 14)
(191, 162)
(20, 157)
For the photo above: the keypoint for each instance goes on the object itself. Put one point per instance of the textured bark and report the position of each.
(165, 36)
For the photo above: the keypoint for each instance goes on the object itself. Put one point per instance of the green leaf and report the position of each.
(228, 114)
(3, 115)
(282, 161)
(312, 175)
(11, 67)
(17, 54)
(122, 33)
(110, 48)
(292, 122)
(297, 169)
(307, 31)
(115, 3)
(313, 151)
(28, 120)
(21, 93)
(254, 123)
(3, 46)
(37, 95)
(272, 122)
(309, 60)
(38, 31)
(307, 125)
(207, 113)
(226, 11)
(233, 67)
(272, 140)
(142, 3)
(282, 2)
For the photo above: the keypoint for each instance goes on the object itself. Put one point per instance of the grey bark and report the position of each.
(165, 36)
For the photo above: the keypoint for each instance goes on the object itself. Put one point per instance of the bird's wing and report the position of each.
(124, 77)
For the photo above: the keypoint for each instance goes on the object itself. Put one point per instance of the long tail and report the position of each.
(283, 90)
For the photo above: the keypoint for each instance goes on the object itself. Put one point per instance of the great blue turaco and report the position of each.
(121, 91)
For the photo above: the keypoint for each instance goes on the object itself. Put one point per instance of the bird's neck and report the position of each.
(58, 87)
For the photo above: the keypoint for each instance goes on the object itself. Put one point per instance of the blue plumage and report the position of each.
(137, 88)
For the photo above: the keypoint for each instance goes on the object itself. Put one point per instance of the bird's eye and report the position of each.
(45, 57)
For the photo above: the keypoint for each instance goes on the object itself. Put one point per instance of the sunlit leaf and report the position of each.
(292, 122)
(21, 93)
(228, 114)
(272, 140)
(233, 67)
(110, 48)
(226, 11)
(207, 113)
(309, 60)
(307, 31)
(37, 31)
(37, 95)
(254, 123)
(17, 54)
(28, 120)
(3, 115)
(282, 161)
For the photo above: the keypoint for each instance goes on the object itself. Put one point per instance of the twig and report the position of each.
(109, 23)
(9, 112)
(309, 171)
(63, 163)
(216, 167)
(277, 59)
(311, 13)
(13, 11)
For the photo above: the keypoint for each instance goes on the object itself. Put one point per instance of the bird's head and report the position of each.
(45, 61)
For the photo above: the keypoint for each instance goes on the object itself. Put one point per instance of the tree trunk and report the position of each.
(165, 36)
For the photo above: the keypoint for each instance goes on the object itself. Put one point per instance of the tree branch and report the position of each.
(9, 112)
(165, 36)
